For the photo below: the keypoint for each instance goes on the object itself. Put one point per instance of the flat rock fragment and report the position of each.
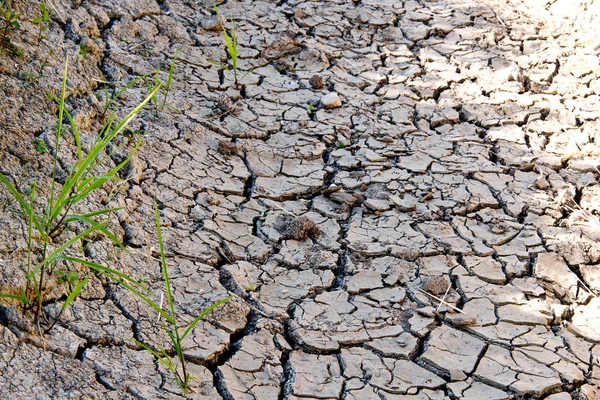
(316, 376)
(287, 286)
(486, 268)
(474, 288)
(387, 374)
(126, 369)
(586, 320)
(402, 346)
(379, 234)
(255, 370)
(199, 167)
(333, 319)
(524, 314)
(451, 350)
(478, 391)
(97, 321)
(364, 281)
(476, 313)
(556, 275)
(445, 234)
(513, 370)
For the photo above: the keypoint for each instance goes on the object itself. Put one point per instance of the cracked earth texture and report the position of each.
(450, 152)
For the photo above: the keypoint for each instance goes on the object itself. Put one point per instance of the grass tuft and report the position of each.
(49, 217)
(231, 44)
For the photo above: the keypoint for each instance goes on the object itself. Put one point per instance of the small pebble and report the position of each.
(331, 100)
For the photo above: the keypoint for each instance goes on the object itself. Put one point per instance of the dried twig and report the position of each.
(57, 12)
(437, 310)
(281, 208)
(442, 301)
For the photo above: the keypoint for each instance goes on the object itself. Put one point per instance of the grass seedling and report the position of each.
(155, 82)
(110, 101)
(42, 21)
(29, 78)
(50, 216)
(171, 326)
(9, 24)
(40, 146)
(311, 110)
(232, 50)
(84, 50)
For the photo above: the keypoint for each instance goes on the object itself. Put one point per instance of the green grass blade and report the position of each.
(204, 314)
(123, 278)
(101, 269)
(13, 296)
(145, 298)
(53, 256)
(99, 212)
(30, 232)
(218, 64)
(129, 85)
(102, 229)
(163, 358)
(170, 78)
(85, 191)
(228, 42)
(123, 89)
(246, 74)
(234, 55)
(96, 183)
(84, 180)
(75, 292)
(106, 127)
(174, 340)
(73, 126)
(61, 111)
(230, 48)
(163, 261)
(22, 202)
(146, 347)
(93, 155)
(149, 86)
(75, 135)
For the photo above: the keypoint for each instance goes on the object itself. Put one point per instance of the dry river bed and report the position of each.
(449, 152)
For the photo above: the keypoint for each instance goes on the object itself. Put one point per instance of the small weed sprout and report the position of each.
(164, 88)
(84, 50)
(29, 78)
(42, 21)
(172, 326)
(232, 50)
(311, 110)
(9, 23)
(40, 145)
(63, 277)
(56, 212)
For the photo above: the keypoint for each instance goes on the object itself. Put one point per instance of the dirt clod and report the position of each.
(316, 82)
(436, 285)
(300, 228)
(228, 148)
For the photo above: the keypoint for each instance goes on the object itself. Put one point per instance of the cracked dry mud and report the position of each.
(450, 152)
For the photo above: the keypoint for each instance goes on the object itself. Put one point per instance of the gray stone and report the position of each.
(331, 100)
